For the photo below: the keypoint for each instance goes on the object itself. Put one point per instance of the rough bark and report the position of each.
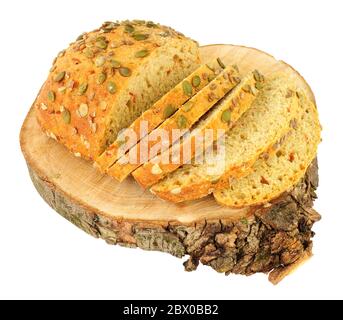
(275, 238)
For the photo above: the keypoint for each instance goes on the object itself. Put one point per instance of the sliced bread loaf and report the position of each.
(161, 110)
(263, 125)
(182, 119)
(271, 177)
(216, 122)
(107, 78)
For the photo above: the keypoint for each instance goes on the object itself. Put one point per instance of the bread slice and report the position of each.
(217, 121)
(105, 79)
(265, 123)
(271, 177)
(161, 110)
(182, 119)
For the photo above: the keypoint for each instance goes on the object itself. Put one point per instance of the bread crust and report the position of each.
(75, 104)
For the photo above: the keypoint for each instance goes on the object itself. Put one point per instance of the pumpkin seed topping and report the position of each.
(196, 81)
(168, 111)
(60, 76)
(111, 87)
(188, 106)
(235, 67)
(101, 78)
(226, 116)
(246, 88)
(187, 88)
(83, 110)
(129, 28)
(125, 72)
(66, 117)
(258, 76)
(211, 77)
(101, 43)
(100, 61)
(140, 36)
(62, 90)
(258, 85)
(51, 96)
(142, 53)
(115, 64)
(83, 88)
(182, 122)
(151, 24)
(88, 52)
(221, 64)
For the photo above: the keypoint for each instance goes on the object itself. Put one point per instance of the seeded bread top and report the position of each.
(75, 103)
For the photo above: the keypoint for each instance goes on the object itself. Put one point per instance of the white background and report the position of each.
(44, 256)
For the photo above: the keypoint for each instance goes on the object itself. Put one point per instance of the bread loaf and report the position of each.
(217, 121)
(161, 110)
(280, 172)
(264, 124)
(107, 78)
(182, 119)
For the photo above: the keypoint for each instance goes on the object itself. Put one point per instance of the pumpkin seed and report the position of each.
(101, 78)
(83, 110)
(258, 85)
(182, 122)
(88, 52)
(187, 88)
(100, 61)
(188, 106)
(151, 24)
(226, 116)
(62, 89)
(196, 81)
(51, 96)
(140, 36)
(125, 72)
(111, 87)
(60, 76)
(66, 116)
(80, 37)
(168, 111)
(137, 21)
(83, 88)
(258, 76)
(246, 88)
(101, 43)
(221, 64)
(235, 67)
(115, 64)
(211, 77)
(142, 53)
(129, 28)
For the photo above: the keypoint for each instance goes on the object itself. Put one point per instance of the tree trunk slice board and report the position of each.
(123, 213)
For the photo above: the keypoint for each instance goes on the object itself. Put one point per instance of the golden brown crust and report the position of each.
(204, 100)
(156, 114)
(74, 103)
